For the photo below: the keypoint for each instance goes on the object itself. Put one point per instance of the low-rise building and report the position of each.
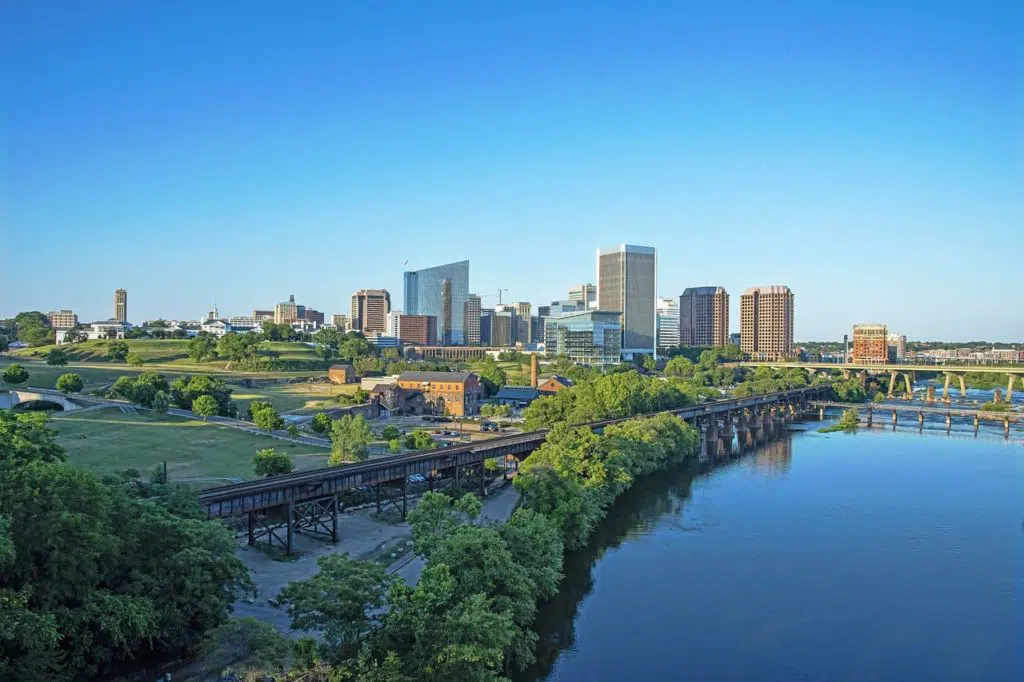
(457, 394)
(516, 396)
(107, 329)
(420, 330)
(342, 374)
(591, 337)
(217, 328)
(371, 383)
(553, 384)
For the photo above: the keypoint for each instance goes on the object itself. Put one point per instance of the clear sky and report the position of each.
(867, 154)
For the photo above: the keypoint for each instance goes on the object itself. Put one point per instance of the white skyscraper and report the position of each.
(668, 323)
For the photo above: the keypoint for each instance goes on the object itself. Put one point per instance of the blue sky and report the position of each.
(867, 154)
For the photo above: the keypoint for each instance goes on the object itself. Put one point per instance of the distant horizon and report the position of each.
(863, 155)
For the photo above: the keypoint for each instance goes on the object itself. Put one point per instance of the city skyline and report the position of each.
(767, 154)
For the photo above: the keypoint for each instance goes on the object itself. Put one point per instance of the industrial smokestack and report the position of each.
(534, 370)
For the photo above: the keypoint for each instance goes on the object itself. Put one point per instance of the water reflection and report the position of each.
(658, 498)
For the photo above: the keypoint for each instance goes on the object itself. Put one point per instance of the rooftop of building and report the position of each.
(517, 393)
(584, 313)
(703, 291)
(434, 376)
(770, 289)
(626, 248)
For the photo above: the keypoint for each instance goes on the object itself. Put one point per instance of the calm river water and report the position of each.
(871, 556)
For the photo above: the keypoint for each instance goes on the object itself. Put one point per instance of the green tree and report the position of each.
(15, 374)
(270, 462)
(350, 437)
(535, 542)
(4, 344)
(293, 431)
(354, 346)
(419, 440)
(117, 351)
(69, 383)
(328, 341)
(679, 366)
(34, 328)
(253, 643)
(76, 334)
(57, 357)
(127, 581)
(186, 389)
(26, 438)
(436, 516)
(202, 348)
(234, 347)
(649, 363)
(204, 406)
(141, 389)
(265, 416)
(390, 432)
(340, 601)
(879, 397)
(135, 359)
(492, 376)
(161, 402)
(321, 422)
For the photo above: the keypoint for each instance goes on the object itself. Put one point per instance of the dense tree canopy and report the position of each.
(186, 389)
(204, 406)
(94, 580)
(69, 383)
(265, 416)
(270, 462)
(202, 348)
(117, 351)
(350, 437)
(33, 328)
(15, 374)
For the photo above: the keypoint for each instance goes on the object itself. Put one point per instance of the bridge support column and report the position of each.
(977, 424)
(252, 528)
(821, 413)
(290, 536)
(1009, 387)
(908, 379)
(895, 419)
(949, 421)
(931, 393)
(945, 386)
(871, 414)
(892, 384)
(1006, 427)
(920, 421)
(963, 385)
(998, 397)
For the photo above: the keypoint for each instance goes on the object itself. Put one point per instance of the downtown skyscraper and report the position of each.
(626, 279)
(766, 322)
(704, 317)
(442, 292)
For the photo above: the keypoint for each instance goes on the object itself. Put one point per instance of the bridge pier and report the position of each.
(1009, 387)
(931, 393)
(945, 386)
(949, 421)
(870, 415)
(963, 385)
(977, 424)
(998, 397)
(908, 379)
(920, 421)
(892, 383)
(895, 419)
(1006, 427)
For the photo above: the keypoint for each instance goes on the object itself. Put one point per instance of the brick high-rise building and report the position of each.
(704, 317)
(766, 322)
(121, 305)
(370, 308)
(471, 319)
(417, 330)
(870, 344)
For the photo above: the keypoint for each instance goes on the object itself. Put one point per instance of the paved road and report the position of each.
(498, 507)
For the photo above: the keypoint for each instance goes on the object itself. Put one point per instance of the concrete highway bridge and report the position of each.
(908, 372)
(873, 413)
(308, 502)
(25, 396)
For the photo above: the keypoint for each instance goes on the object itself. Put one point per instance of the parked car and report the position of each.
(416, 478)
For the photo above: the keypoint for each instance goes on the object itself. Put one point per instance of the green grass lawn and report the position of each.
(107, 440)
(298, 397)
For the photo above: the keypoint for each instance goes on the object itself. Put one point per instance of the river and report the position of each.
(880, 555)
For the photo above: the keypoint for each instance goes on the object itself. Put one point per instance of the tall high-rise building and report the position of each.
(471, 319)
(503, 326)
(370, 308)
(441, 292)
(121, 305)
(704, 317)
(897, 346)
(766, 322)
(626, 280)
(870, 344)
(584, 294)
(523, 319)
(668, 323)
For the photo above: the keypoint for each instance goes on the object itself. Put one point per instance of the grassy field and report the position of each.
(298, 397)
(165, 354)
(107, 440)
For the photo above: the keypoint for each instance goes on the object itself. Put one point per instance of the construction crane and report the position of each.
(499, 295)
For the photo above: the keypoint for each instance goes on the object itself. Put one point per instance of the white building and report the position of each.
(668, 322)
(245, 323)
(217, 328)
(394, 327)
(108, 329)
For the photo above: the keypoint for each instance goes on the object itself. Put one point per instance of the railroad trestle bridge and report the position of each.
(309, 502)
(918, 413)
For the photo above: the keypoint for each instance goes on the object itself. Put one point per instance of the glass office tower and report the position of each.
(442, 292)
